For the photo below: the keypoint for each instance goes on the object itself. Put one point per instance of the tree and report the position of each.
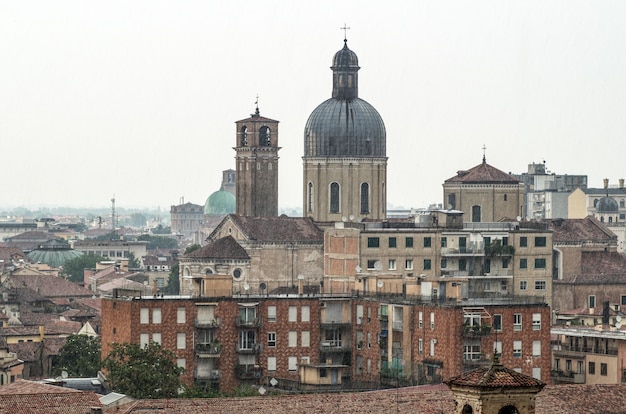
(79, 357)
(133, 262)
(143, 373)
(158, 242)
(173, 282)
(74, 269)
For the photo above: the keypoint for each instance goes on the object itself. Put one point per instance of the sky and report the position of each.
(138, 100)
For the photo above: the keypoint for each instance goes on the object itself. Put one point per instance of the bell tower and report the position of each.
(257, 166)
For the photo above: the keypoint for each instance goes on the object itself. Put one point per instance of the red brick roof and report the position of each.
(51, 286)
(224, 248)
(28, 397)
(483, 173)
(496, 376)
(599, 268)
(279, 229)
(579, 230)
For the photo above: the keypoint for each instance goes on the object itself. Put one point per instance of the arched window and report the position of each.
(309, 197)
(476, 214)
(244, 136)
(505, 197)
(621, 203)
(595, 202)
(334, 198)
(365, 198)
(265, 138)
(509, 409)
(467, 409)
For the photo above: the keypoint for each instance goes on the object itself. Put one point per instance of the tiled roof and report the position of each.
(7, 253)
(599, 268)
(483, 173)
(553, 399)
(496, 376)
(224, 248)
(279, 229)
(579, 230)
(37, 236)
(51, 286)
(28, 397)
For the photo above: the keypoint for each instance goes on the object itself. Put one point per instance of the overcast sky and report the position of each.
(138, 99)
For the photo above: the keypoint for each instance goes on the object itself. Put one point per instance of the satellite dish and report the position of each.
(618, 318)
(273, 382)
(351, 217)
(378, 265)
(344, 218)
(263, 286)
(300, 277)
(246, 286)
(64, 374)
(145, 283)
(380, 284)
(358, 269)
(262, 390)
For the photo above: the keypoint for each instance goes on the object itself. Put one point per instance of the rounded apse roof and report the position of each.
(607, 205)
(220, 203)
(345, 128)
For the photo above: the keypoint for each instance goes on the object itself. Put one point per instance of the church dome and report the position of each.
(54, 252)
(345, 125)
(220, 203)
(607, 205)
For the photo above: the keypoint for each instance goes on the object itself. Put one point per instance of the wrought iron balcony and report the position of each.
(248, 371)
(208, 323)
(209, 350)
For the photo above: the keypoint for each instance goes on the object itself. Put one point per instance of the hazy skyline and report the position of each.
(139, 99)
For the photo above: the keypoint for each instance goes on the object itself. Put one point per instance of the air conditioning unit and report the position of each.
(322, 304)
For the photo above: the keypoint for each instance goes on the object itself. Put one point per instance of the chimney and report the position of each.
(606, 183)
(621, 183)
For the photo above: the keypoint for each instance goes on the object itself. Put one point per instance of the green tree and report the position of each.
(74, 269)
(143, 373)
(173, 281)
(133, 262)
(158, 242)
(79, 357)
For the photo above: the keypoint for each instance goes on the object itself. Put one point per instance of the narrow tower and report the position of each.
(257, 166)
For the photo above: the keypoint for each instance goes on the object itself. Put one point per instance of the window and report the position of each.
(371, 264)
(536, 321)
(523, 263)
(517, 349)
(432, 347)
(293, 339)
(537, 373)
(540, 285)
(271, 363)
(471, 352)
(427, 264)
(271, 339)
(540, 242)
(462, 264)
(444, 242)
(523, 241)
(408, 242)
(293, 314)
(592, 368)
(265, 138)
(408, 264)
(623, 299)
(181, 339)
(427, 242)
(305, 313)
(156, 337)
(144, 316)
(476, 214)
(592, 301)
(432, 320)
(359, 314)
(392, 264)
(420, 322)
(305, 339)
(505, 262)
(487, 265)
(497, 322)
(293, 363)
(156, 315)
(392, 242)
(181, 363)
(523, 285)
(365, 198)
(497, 348)
(603, 369)
(144, 339)
(334, 198)
(536, 348)
(373, 242)
(271, 313)
(517, 321)
(420, 346)
(540, 263)
(310, 197)
(181, 315)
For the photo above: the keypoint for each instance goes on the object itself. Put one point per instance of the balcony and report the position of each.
(209, 350)
(569, 377)
(397, 325)
(248, 371)
(473, 250)
(476, 361)
(335, 324)
(473, 331)
(383, 316)
(207, 323)
(249, 322)
(580, 351)
(249, 348)
(207, 375)
(334, 346)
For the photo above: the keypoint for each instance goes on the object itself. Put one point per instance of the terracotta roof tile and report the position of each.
(496, 376)
(483, 173)
(224, 248)
(578, 230)
(279, 229)
(26, 397)
(51, 286)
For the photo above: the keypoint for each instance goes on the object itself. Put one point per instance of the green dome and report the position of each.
(54, 253)
(220, 203)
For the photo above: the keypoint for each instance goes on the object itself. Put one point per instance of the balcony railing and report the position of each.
(335, 324)
(570, 377)
(249, 322)
(248, 371)
(249, 348)
(476, 360)
(209, 349)
(469, 331)
(211, 375)
(207, 323)
(334, 346)
(579, 350)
